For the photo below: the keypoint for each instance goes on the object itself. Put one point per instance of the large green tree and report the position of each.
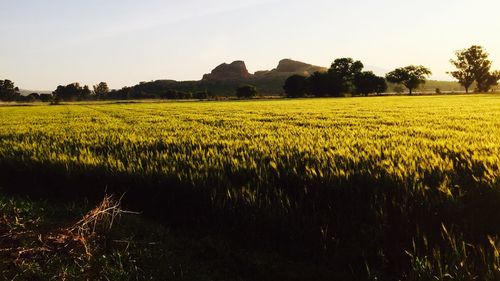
(367, 82)
(341, 75)
(472, 66)
(410, 76)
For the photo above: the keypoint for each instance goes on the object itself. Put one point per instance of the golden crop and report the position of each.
(337, 176)
(416, 141)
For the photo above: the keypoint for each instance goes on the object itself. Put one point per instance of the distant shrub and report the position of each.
(46, 97)
(438, 91)
(55, 101)
(201, 95)
(246, 91)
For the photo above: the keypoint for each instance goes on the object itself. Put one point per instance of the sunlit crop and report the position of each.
(285, 157)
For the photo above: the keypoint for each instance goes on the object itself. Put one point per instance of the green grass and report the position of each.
(135, 249)
(362, 186)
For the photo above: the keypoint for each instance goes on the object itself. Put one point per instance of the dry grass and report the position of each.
(25, 241)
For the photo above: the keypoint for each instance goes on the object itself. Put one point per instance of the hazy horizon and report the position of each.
(48, 43)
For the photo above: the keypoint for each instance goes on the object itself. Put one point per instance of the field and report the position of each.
(379, 187)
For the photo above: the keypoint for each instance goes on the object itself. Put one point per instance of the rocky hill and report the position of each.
(237, 70)
(288, 67)
(225, 78)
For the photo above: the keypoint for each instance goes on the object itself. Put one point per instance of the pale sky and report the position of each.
(45, 43)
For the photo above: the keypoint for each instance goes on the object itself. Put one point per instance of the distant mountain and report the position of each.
(25, 92)
(270, 82)
(237, 70)
(225, 78)
(288, 67)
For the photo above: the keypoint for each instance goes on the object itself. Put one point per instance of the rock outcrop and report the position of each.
(225, 78)
(237, 70)
(288, 67)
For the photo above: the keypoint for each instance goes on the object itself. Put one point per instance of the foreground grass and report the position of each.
(392, 187)
(134, 248)
(29, 253)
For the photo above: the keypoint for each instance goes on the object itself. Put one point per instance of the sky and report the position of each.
(45, 43)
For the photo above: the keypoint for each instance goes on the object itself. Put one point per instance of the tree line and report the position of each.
(8, 91)
(345, 76)
(101, 91)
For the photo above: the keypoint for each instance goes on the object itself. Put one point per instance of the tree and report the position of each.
(33, 96)
(341, 75)
(60, 93)
(472, 66)
(318, 82)
(101, 90)
(247, 91)
(85, 93)
(487, 81)
(72, 92)
(381, 85)
(46, 97)
(345, 76)
(8, 91)
(296, 86)
(367, 82)
(410, 76)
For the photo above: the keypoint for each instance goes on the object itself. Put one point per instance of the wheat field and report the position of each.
(380, 182)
